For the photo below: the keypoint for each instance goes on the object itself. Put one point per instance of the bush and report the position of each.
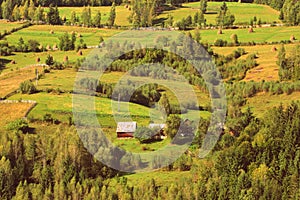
(144, 134)
(18, 125)
(27, 87)
(220, 43)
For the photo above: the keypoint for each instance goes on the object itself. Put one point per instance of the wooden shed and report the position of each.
(126, 129)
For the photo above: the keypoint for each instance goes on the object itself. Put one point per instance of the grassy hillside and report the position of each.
(11, 112)
(243, 12)
(25, 59)
(8, 26)
(268, 34)
(10, 82)
(42, 33)
(267, 68)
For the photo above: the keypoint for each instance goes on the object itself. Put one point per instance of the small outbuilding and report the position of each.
(126, 129)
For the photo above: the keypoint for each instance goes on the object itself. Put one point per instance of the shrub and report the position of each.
(18, 125)
(220, 43)
(27, 87)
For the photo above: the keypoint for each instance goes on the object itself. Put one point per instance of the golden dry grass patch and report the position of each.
(9, 82)
(267, 68)
(12, 111)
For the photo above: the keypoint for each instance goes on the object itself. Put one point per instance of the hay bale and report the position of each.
(274, 49)
(51, 32)
(292, 38)
(41, 47)
(54, 47)
(79, 35)
(13, 62)
(66, 59)
(220, 31)
(48, 47)
(79, 53)
(250, 30)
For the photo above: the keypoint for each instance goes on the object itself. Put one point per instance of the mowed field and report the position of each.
(263, 102)
(8, 26)
(12, 111)
(260, 35)
(267, 68)
(10, 82)
(26, 59)
(243, 12)
(42, 33)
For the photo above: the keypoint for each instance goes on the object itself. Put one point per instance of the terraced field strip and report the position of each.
(10, 82)
(267, 68)
(11, 111)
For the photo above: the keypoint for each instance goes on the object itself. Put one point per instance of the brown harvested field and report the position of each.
(12, 111)
(267, 68)
(9, 82)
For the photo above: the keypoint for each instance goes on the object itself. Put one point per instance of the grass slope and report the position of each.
(243, 12)
(42, 34)
(10, 82)
(8, 26)
(26, 59)
(268, 34)
(267, 68)
(12, 111)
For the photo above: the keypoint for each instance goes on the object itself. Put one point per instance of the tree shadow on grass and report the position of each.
(3, 62)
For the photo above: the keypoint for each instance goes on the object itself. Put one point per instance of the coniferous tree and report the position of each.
(203, 6)
(73, 18)
(31, 10)
(97, 20)
(16, 13)
(53, 17)
(86, 16)
(112, 15)
(24, 10)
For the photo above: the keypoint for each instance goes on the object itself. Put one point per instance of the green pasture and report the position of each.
(267, 68)
(263, 102)
(243, 12)
(43, 34)
(266, 34)
(26, 59)
(8, 26)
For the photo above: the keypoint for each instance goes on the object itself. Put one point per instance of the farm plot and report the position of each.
(48, 35)
(12, 111)
(260, 35)
(243, 12)
(8, 26)
(267, 68)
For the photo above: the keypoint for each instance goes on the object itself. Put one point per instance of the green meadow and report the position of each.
(42, 33)
(243, 12)
(260, 35)
(8, 26)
